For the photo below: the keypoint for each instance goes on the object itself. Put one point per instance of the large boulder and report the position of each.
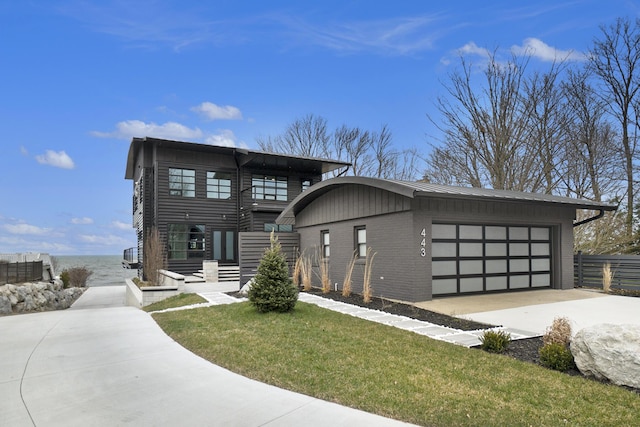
(609, 352)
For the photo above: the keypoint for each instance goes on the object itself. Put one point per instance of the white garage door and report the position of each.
(482, 258)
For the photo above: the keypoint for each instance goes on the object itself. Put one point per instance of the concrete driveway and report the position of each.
(534, 310)
(103, 364)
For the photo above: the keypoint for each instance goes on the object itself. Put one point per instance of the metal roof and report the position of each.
(423, 189)
(246, 157)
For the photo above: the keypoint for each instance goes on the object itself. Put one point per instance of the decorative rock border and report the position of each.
(37, 296)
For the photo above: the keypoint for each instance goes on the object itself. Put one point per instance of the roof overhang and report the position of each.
(420, 189)
(245, 157)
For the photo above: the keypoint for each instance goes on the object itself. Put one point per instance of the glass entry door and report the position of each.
(224, 246)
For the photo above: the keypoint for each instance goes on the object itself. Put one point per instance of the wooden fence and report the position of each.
(19, 272)
(625, 268)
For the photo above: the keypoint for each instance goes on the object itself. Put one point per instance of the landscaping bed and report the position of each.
(526, 350)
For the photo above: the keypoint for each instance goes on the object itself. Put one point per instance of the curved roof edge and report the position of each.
(417, 189)
(288, 215)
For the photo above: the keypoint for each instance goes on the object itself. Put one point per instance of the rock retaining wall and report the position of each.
(38, 296)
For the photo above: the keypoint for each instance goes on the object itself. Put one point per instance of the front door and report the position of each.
(224, 246)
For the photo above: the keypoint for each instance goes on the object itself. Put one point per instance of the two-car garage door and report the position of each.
(481, 258)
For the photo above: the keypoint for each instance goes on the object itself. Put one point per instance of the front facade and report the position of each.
(200, 197)
(433, 240)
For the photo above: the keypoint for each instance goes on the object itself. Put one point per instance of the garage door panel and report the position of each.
(470, 258)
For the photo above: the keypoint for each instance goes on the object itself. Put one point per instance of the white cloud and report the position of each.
(539, 49)
(23, 228)
(24, 151)
(473, 49)
(83, 221)
(58, 159)
(212, 111)
(225, 138)
(122, 225)
(137, 128)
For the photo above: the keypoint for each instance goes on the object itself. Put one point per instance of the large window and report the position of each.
(186, 241)
(269, 187)
(182, 182)
(218, 185)
(361, 241)
(478, 258)
(325, 240)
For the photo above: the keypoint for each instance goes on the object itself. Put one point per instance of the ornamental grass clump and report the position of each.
(495, 341)
(272, 288)
(346, 285)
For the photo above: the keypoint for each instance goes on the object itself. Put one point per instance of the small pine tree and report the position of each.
(272, 288)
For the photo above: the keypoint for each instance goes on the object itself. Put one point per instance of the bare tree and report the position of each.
(370, 153)
(592, 163)
(489, 133)
(307, 136)
(614, 58)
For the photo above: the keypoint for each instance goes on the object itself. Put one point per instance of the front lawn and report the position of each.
(391, 372)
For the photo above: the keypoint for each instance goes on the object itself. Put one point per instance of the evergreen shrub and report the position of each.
(272, 288)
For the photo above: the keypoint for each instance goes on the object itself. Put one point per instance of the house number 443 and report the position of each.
(423, 243)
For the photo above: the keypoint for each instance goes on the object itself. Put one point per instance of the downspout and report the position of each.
(344, 171)
(593, 218)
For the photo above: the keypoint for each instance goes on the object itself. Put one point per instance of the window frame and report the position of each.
(360, 247)
(181, 184)
(216, 187)
(325, 243)
(192, 245)
(270, 187)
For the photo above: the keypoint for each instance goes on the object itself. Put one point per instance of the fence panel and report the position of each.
(625, 268)
(19, 272)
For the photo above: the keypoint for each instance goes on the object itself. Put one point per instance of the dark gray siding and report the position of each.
(396, 226)
(559, 218)
(351, 201)
(253, 245)
(387, 235)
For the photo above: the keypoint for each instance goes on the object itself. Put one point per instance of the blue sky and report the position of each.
(79, 79)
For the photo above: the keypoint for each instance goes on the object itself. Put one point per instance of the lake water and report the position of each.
(107, 269)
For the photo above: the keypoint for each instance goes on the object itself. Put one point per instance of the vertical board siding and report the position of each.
(252, 247)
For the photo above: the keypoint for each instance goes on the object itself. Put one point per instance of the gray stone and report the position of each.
(244, 291)
(609, 352)
(5, 305)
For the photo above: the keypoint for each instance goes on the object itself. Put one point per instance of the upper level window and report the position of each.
(269, 187)
(282, 228)
(218, 185)
(182, 182)
(306, 183)
(361, 241)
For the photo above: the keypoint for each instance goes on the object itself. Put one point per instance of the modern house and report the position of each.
(200, 197)
(433, 240)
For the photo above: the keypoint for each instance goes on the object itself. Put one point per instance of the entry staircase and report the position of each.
(226, 273)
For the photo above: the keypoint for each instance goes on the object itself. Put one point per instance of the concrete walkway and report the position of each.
(103, 364)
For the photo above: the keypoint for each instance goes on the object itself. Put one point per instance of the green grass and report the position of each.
(394, 373)
(175, 301)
